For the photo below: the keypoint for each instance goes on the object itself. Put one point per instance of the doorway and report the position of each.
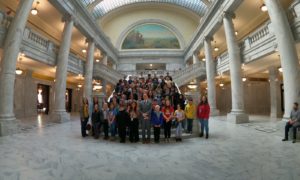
(69, 99)
(43, 98)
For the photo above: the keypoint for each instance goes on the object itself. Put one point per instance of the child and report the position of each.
(179, 115)
(112, 121)
(156, 121)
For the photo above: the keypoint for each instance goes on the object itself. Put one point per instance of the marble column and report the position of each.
(105, 60)
(195, 58)
(11, 50)
(89, 65)
(59, 110)
(104, 83)
(275, 111)
(288, 54)
(237, 114)
(210, 76)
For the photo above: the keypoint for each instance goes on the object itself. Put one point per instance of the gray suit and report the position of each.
(145, 107)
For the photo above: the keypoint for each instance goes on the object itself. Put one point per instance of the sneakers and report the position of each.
(201, 135)
(285, 139)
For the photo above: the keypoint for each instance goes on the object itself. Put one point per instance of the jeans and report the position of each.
(179, 130)
(83, 126)
(204, 125)
(189, 125)
(113, 129)
(167, 128)
(294, 126)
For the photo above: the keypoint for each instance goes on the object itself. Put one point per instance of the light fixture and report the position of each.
(151, 65)
(221, 84)
(79, 85)
(203, 59)
(192, 86)
(216, 48)
(84, 51)
(263, 7)
(236, 33)
(280, 69)
(244, 79)
(97, 87)
(35, 11)
(19, 71)
(97, 60)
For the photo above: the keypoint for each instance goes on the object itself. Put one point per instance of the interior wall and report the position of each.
(25, 95)
(113, 26)
(256, 98)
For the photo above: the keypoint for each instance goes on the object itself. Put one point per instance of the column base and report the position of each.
(238, 117)
(214, 112)
(60, 116)
(8, 125)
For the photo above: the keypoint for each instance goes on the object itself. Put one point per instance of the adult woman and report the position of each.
(203, 111)
(134, 123)
(84, 116)
(168, 112)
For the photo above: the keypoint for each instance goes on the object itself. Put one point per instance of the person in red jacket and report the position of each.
(203, 111)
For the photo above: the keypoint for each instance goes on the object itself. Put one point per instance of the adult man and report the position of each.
(145, 107)
(294, 123)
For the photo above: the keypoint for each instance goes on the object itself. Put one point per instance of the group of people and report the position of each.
(144, 103)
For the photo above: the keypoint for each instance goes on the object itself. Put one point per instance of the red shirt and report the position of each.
(203, 111)
(167, 111)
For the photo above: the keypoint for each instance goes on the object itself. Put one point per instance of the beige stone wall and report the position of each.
(256, 96)
(25, 100)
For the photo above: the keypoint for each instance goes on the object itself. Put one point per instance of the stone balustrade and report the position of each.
(190, 73)
(144, 73)
(102, 71)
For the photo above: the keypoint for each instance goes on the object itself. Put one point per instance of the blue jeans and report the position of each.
(204, 125)
(189, 125)
(113, 129)
(179, 130)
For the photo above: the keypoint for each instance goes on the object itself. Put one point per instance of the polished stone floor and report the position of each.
(48, 150)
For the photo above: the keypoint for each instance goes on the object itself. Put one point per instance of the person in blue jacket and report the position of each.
(156, 121)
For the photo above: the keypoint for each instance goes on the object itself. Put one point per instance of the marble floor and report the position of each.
(243, 152)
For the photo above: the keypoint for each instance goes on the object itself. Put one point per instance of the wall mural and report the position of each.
(150, 36)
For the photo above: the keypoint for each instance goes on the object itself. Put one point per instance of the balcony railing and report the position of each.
(109, 74)
(188, 74)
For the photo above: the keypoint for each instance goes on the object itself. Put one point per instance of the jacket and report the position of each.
(203, 111)
(190, 111)
(156, 121)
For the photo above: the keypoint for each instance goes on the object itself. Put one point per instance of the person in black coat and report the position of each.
(97, 119)
(122, 119)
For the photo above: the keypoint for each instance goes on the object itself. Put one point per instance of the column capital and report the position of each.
(208, 38)
(68, 18)
(89, 40)
(229, 15)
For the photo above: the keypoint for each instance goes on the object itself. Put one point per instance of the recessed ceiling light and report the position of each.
(84, 51)
(97, 60)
